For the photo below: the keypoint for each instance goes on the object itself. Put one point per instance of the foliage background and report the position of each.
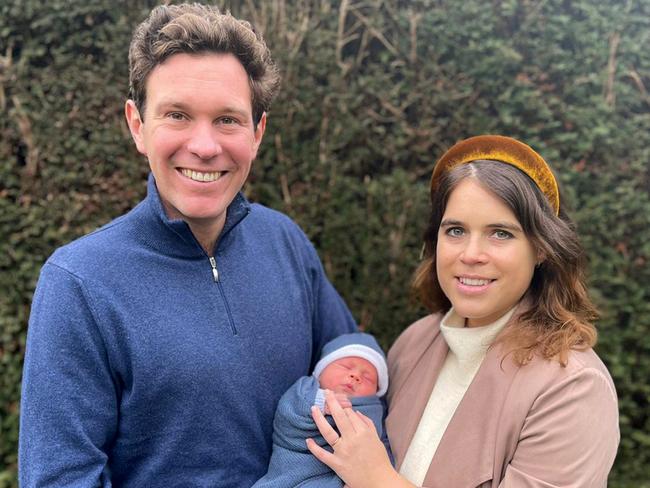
(373, 92)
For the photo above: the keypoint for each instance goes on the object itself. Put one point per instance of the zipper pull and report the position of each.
(215, 272)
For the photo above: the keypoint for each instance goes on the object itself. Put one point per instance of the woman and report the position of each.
(499, 386)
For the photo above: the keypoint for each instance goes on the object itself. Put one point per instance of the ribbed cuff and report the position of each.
(319, 401)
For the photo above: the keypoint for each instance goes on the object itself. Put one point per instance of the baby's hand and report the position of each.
(342, 399)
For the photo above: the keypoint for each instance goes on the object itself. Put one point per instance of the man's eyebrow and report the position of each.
(237, 111)
(172, 104)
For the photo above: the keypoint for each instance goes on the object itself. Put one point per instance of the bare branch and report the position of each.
(363, 48)
(255, 16)
(6, 62)
(414, 18)
(284, 180)
(297, 37)
(25, 127)
(639, 84)
(610, 95)
(340, 33)
(322, 140)
(377, 34)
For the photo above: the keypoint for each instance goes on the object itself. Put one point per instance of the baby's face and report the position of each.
(353, 376)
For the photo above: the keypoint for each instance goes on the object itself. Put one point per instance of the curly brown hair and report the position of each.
(195, 29)
(560, 314)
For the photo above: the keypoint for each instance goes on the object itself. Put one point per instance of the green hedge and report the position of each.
(372, 93)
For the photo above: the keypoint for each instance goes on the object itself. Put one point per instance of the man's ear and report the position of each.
(259, 133)
(135, 125)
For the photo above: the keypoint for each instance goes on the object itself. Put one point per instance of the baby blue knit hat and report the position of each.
(357, 344)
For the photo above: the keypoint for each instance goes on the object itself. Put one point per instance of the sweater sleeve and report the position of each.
(69, 401)
(569, 437)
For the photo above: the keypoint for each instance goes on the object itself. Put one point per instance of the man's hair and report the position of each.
(198, 29)
(560, 314)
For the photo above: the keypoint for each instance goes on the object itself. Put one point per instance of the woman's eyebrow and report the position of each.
(494, 225)
(505, 225)
(448, 222)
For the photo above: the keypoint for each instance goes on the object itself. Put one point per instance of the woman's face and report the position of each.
(484, 261)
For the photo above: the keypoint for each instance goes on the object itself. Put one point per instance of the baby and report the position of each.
(352, 365)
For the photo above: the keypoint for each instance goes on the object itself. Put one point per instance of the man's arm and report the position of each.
(69, 402)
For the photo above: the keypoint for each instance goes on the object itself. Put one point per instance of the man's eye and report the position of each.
(228, 120)
(176, 116)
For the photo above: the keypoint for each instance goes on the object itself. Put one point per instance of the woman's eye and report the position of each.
(454, 232)
(502, 234)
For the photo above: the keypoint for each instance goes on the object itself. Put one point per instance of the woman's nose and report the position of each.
(474, 252)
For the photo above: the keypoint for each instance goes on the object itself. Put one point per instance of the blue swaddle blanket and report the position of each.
(291, 464)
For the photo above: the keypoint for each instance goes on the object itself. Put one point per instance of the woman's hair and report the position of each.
(199, 29)
(560, 314)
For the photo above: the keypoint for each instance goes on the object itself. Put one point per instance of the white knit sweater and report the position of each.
(467, 348)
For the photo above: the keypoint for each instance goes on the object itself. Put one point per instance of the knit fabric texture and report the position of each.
(292, 464)
(141, 369)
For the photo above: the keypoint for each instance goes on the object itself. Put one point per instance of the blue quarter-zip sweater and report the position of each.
(151, 364)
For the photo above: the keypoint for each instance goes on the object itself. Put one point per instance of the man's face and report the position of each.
(197, 133)
(352, 375)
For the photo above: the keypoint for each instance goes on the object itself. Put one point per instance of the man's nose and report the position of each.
(204, 141)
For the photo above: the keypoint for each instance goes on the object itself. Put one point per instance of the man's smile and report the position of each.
(201, 176)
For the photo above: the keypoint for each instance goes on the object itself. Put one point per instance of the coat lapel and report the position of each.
(416, 379)
(466, 454)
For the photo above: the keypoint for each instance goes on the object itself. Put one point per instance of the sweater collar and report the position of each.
(173, 236)
(470, 342)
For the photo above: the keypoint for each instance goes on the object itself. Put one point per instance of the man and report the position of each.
(159, 345)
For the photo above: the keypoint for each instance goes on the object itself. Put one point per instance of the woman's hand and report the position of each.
(343, 400)
(359, 456)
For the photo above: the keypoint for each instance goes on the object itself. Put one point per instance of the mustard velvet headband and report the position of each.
(506, 150)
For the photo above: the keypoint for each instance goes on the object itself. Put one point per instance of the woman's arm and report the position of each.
(359, 456)
(570, 435)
